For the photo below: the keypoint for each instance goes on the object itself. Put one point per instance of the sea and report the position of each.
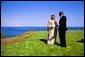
(14, 31)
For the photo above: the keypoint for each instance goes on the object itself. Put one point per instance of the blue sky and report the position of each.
(37, 13)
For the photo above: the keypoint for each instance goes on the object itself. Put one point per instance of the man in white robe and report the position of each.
(52, 24)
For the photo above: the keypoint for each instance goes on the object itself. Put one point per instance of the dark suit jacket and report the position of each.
(62, 23)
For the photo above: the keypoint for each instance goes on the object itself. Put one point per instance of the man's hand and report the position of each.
(51, 27)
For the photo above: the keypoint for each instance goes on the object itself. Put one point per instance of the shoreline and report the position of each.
(39, 31)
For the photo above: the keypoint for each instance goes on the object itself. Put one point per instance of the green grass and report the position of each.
(33, 46)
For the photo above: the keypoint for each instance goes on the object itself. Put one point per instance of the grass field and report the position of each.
(33, 44)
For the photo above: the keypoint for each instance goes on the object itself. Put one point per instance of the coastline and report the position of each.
(33, 44)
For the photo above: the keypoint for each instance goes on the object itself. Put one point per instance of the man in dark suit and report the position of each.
(62, 29)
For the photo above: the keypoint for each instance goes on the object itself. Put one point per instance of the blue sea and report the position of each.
(14, 31)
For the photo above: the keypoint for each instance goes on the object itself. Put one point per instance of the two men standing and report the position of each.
(52, 30)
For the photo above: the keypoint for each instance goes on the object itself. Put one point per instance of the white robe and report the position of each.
(51, 23)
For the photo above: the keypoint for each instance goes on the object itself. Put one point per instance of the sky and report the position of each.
(37, 13)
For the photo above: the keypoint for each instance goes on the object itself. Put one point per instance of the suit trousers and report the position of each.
(62, 36)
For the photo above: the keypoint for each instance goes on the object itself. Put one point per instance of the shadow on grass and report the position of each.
(82, 41)
(43, 40)
(57, 44)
